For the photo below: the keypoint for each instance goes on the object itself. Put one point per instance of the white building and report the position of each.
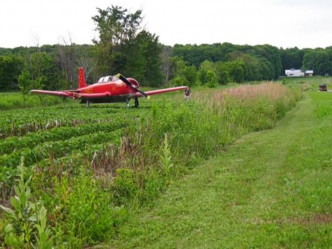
(309, 72)
(294, 72)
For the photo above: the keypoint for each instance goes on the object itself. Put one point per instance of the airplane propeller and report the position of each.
(121, 77)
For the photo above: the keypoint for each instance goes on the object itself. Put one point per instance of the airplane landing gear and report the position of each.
(136, 102)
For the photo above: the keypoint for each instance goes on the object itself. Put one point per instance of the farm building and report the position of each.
(309, 72)
(294, 72)
(298, 72)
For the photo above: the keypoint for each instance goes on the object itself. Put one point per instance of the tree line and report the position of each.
(124, 46)
(238, 63)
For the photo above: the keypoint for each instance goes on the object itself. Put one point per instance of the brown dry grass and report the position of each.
(268, 90)
(243, 95)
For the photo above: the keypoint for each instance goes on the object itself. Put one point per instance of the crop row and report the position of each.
(31, 140)
(70, 163)
(15, 129)
(18, 125)
(56, 149)
(63, 113)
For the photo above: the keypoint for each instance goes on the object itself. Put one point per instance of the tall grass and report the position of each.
(193, 132)
(13, 100)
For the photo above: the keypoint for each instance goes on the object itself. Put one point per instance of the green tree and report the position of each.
(211, 78)
(226, 52)
(202, 75)
(266, 70)
(182, 74)
(43, 71)
(317, 60)
(222, 71)
(122, 47)
(10, 68)
(236, 70)
(291, 58)
(149, 52)
(116, 27)
(24, 82)
(190, 74)
(178, 66)
(271, 54)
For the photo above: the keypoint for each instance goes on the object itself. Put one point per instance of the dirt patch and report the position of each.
(320, 219)
(317, 219)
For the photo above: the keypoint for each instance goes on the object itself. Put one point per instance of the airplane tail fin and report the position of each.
(81, 78)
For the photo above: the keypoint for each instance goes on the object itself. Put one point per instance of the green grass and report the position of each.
(14, 100)
(270, 189)
(307, 83)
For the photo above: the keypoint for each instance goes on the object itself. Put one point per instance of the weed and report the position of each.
(165, 159)
(84, 213)
(26, 221)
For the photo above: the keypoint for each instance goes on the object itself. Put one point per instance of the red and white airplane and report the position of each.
(109, 89)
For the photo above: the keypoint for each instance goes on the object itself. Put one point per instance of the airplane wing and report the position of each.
(159, 91)
(72, 94)
(55, 93)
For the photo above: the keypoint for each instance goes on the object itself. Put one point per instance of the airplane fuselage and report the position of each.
(117, 91)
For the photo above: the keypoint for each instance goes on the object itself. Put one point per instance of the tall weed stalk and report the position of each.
(26, 221)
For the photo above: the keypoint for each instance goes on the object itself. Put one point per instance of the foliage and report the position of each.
(143, 59)
(115, 27)
(211, 79)
(202, 74)
(261, 62)
(10, 67)
(236, 70)
(24, 82)
(182, 74)
(27, 221)
(229, 62)
(82, 212)
(166, 159)
(226, 52)
(318, 60)
(122, 48)
(291, 58)
(222, 73)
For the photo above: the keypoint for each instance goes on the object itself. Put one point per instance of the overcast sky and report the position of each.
(282, 23)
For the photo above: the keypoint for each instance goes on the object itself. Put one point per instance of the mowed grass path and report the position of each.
(270, 189)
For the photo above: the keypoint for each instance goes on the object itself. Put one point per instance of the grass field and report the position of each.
(270, 189)
(84, 173)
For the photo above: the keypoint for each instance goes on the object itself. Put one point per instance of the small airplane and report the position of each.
(109, 89)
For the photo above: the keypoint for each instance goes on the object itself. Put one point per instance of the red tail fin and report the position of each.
(81, 79)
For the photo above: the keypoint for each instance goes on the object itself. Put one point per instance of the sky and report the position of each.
(281, 23)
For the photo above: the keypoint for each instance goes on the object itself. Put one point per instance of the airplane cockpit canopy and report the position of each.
(108, 78)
